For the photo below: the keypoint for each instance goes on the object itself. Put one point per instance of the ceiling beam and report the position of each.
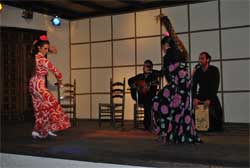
(71, 6)
(88, 3)
(58, 10)
(132, 4)
(44, 8)
(77, 9)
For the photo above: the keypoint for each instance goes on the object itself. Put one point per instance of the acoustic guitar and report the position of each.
(144, 89)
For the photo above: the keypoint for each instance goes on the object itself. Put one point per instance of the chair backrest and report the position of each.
(117, 92)
(67, 94)
(67, 99)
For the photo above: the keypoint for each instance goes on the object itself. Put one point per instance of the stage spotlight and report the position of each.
(56, 21)
(1, 7)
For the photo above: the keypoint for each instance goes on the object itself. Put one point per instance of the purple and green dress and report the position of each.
(173, 115)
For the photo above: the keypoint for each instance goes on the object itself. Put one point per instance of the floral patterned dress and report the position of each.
(173, 116)
(49, 115)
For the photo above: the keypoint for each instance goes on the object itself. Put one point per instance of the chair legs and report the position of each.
(74, 118)
(138, 115)
(122, 119)
(99, 121)
(112, 116)
(135, 116)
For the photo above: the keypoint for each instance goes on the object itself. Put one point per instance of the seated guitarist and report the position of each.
(146, 84)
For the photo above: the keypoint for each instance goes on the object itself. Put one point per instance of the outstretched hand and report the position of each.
(159, 17)
(59, 83)
(52, 49)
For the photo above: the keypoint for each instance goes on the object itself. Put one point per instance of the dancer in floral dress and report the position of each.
(49, 116)
(173, 117)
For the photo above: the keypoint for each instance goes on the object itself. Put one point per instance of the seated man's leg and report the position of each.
(216, 121)
(147, 114)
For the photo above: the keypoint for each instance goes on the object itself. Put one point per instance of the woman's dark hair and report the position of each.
(34, 51)
(170, 41)
(38, 43)
(174, 54)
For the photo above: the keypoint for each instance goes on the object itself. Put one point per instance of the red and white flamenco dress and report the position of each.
(49, 116)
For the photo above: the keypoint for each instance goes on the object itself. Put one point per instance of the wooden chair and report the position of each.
(138, 110)
(114, 111)
(67, 99)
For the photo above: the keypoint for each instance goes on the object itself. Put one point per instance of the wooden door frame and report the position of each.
(19, 39)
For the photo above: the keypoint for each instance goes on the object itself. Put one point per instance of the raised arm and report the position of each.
(165, 21)
(54, 70)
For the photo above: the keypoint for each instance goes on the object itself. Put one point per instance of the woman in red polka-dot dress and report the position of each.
(49, 116)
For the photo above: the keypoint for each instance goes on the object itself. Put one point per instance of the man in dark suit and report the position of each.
(146, 84)
(206, 79)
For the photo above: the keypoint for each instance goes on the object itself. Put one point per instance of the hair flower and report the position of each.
(166, 34)
(44, 38)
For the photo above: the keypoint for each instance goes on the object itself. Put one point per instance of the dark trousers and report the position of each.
(147, 114)
(215, 115)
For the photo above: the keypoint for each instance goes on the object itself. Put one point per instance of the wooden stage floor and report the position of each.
(129, 146)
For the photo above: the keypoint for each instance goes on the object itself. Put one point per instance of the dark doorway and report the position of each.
(15, 100)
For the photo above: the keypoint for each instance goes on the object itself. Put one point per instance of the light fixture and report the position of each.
(27, 14)
(1, 7)
(56, 21)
